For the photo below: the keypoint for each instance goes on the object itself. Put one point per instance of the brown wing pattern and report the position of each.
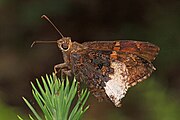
(93, 64)
(138, 68)
(88, 67)
(136, 55)
(145, 50)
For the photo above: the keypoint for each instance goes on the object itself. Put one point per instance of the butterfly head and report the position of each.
(64, 43)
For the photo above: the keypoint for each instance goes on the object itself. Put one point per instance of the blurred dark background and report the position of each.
(155, 21)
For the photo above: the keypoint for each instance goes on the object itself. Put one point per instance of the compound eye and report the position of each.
(64, 46)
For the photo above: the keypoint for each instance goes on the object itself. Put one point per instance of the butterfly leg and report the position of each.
(63, 68)
(59, 66)
(66, 72)
(79, 89)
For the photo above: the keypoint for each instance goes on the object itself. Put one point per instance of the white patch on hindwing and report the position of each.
(117, 86)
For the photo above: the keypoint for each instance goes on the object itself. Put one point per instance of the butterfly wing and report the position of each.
(136, 55)
(89, 66)
(145, 50)
(111, 67)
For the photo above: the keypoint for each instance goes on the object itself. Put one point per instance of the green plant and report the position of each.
(55, 99)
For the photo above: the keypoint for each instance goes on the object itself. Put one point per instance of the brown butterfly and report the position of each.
(108, 68)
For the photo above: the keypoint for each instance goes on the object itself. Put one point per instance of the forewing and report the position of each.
(145, 50)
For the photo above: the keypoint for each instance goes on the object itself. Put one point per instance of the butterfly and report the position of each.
(108, 68)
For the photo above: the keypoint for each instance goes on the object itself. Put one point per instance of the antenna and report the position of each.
(45, 17)
(47, 42)
(42, 42)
